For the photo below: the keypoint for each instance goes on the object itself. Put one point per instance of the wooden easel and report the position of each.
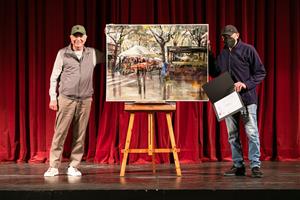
(151, 150)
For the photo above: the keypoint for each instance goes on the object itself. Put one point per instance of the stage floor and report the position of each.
(199, 181)
(202, 176)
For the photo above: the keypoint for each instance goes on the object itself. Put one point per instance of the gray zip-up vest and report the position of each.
(76, 80)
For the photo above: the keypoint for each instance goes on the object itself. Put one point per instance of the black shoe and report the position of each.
(236, 171)
(256, 173)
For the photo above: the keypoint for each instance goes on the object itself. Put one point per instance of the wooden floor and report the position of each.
(206, 177)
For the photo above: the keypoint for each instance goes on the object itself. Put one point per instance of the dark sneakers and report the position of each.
(236, 171)
(241, 171)
(256, 173)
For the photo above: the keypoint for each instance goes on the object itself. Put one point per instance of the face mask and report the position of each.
(229, 42)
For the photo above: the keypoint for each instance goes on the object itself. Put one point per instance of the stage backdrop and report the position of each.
(33, 31)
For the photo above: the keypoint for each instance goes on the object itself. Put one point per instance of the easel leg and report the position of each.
(174, 149)
(151, 140)
(127, 144)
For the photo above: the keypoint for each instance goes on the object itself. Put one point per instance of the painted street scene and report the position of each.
(150, 63)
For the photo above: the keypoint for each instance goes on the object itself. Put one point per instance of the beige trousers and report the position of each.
(78, 112)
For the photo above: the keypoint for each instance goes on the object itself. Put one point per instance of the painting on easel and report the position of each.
(153, 63)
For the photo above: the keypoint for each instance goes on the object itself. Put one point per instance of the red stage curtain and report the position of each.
(33, 31)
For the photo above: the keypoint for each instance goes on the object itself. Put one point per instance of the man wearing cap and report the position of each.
(73, 70)
(241, 60)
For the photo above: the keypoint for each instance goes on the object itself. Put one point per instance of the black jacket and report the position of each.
(244, 65)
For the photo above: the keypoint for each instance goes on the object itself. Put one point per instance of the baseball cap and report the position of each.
(78, 29)
(229, 30)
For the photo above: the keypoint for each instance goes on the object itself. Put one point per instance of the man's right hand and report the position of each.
(53, 105)
(238, 86)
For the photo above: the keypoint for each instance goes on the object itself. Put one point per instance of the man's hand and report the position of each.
(238, 86)
(53, 105)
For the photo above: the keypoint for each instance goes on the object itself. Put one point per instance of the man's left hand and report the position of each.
(238, 86)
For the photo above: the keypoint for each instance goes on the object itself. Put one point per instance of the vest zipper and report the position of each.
(78, 96)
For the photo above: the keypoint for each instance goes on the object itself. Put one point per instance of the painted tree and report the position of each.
(117, 35)
(179, 36)
(162, 35)
(198, 35)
